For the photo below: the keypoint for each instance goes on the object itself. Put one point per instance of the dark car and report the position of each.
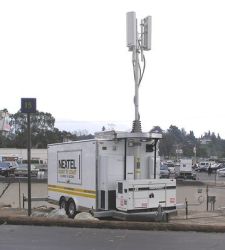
(7, 168)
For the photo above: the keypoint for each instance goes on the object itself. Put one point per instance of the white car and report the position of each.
(171, 169)
(221, 172)
(22, 170)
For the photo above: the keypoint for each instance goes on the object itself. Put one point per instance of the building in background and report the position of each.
(38, 156)
(4, 122)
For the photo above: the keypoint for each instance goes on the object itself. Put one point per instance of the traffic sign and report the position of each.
(28, 105)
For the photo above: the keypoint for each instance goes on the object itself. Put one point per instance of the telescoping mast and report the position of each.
(138, 41)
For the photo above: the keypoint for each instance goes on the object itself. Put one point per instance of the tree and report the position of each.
(176, 134)
(41, 124)
(39, 121)
(156, 129)
(166, 145)
(44, 133)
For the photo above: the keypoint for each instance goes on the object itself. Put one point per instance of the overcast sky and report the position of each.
(72, 56)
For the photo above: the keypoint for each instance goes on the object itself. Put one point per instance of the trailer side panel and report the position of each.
(72, 172)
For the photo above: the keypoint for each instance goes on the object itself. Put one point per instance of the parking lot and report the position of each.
(213, 178)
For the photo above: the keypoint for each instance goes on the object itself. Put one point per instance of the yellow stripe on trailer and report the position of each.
(72, 191)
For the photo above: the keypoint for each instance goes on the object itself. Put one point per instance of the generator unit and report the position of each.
(146, 195)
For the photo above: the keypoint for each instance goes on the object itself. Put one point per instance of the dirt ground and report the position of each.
(14, 193)
(11, 202)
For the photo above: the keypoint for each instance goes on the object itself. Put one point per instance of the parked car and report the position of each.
(218, 166)
(164, 171)
(171, 167)
(203, 166)
(7, 168)
(221, 172)
(22, 170)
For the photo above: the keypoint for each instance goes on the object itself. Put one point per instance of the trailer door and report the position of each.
(111, 170)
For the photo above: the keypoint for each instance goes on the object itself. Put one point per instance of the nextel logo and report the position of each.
(70, 164)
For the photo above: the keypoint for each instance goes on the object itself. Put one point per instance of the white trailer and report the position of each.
(184, 169)
(87, 175)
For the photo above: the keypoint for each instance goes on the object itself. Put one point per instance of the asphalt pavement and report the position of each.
(57, 238)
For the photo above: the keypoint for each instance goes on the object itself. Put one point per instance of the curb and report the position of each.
(129, 225)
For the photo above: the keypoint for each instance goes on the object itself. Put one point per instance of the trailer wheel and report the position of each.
(71, 208)
(62, 203)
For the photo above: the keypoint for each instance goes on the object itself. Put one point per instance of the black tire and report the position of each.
(71, 208)
(63, 203)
